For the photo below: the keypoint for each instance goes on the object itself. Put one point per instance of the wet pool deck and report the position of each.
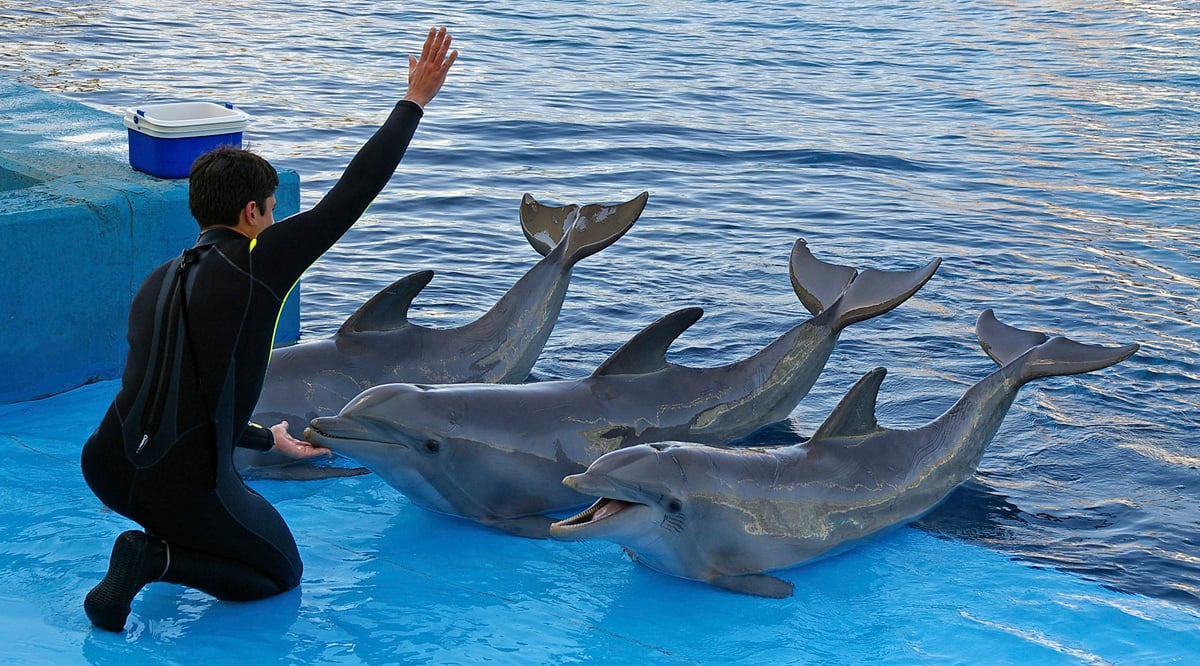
(387, 582)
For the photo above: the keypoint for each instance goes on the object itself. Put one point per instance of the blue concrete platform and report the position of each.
(79, 230)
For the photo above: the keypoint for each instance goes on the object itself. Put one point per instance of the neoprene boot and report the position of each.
(137, 559)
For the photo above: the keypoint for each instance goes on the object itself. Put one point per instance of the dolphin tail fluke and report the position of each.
(1037, 355)
(875, 292)
(585, 229)
(817, 283)
(856, 296)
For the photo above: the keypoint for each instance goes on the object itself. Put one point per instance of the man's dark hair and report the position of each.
(224, 180)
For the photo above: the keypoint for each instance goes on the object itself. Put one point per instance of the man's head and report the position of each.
(224, 181)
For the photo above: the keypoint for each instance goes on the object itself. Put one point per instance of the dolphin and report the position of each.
(725, 516)
(378, 344)
(497, 454)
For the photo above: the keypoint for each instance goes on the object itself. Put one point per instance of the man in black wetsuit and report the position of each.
(200, 335)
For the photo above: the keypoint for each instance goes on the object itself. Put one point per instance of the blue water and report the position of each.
(1046, 150)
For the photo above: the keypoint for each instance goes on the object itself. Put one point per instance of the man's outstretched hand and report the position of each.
(427, 74)
(295, 448)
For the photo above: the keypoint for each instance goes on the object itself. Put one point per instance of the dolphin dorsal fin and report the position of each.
(387, 310)
(647, 351)
(855, 414)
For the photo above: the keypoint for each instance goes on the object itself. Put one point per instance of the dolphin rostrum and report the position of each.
(378, 344)
(727, 515)
(497, 454)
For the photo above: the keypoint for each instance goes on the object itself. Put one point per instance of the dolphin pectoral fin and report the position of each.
(759, 585)
(646, 351)
(586, 229)
(530, 527)
(301, 472)
(387, 310)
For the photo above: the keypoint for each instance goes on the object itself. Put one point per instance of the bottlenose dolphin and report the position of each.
(497, 454)
(378, 344)
(727, 515)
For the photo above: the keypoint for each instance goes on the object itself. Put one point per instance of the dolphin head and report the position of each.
(398, 431)
(649, 504)
(427, 442)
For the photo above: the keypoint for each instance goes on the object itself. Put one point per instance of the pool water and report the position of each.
(1047, 151)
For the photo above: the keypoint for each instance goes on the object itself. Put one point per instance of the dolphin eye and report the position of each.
(431, 446)
(674, 506)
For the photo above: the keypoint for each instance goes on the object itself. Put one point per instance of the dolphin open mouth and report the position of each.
(600, 519)
(606, 515)
(604, 507)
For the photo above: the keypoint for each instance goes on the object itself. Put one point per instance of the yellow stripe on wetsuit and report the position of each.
(278, 315)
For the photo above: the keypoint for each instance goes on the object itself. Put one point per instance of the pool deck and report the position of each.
(388, 582)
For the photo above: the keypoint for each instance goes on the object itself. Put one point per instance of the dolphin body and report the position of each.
(497, 454)
(378, 344)
(726, 516)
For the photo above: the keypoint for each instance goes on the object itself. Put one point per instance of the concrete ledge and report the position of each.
(79, 231)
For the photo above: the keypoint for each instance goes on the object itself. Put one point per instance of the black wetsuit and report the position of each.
(225, 538)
